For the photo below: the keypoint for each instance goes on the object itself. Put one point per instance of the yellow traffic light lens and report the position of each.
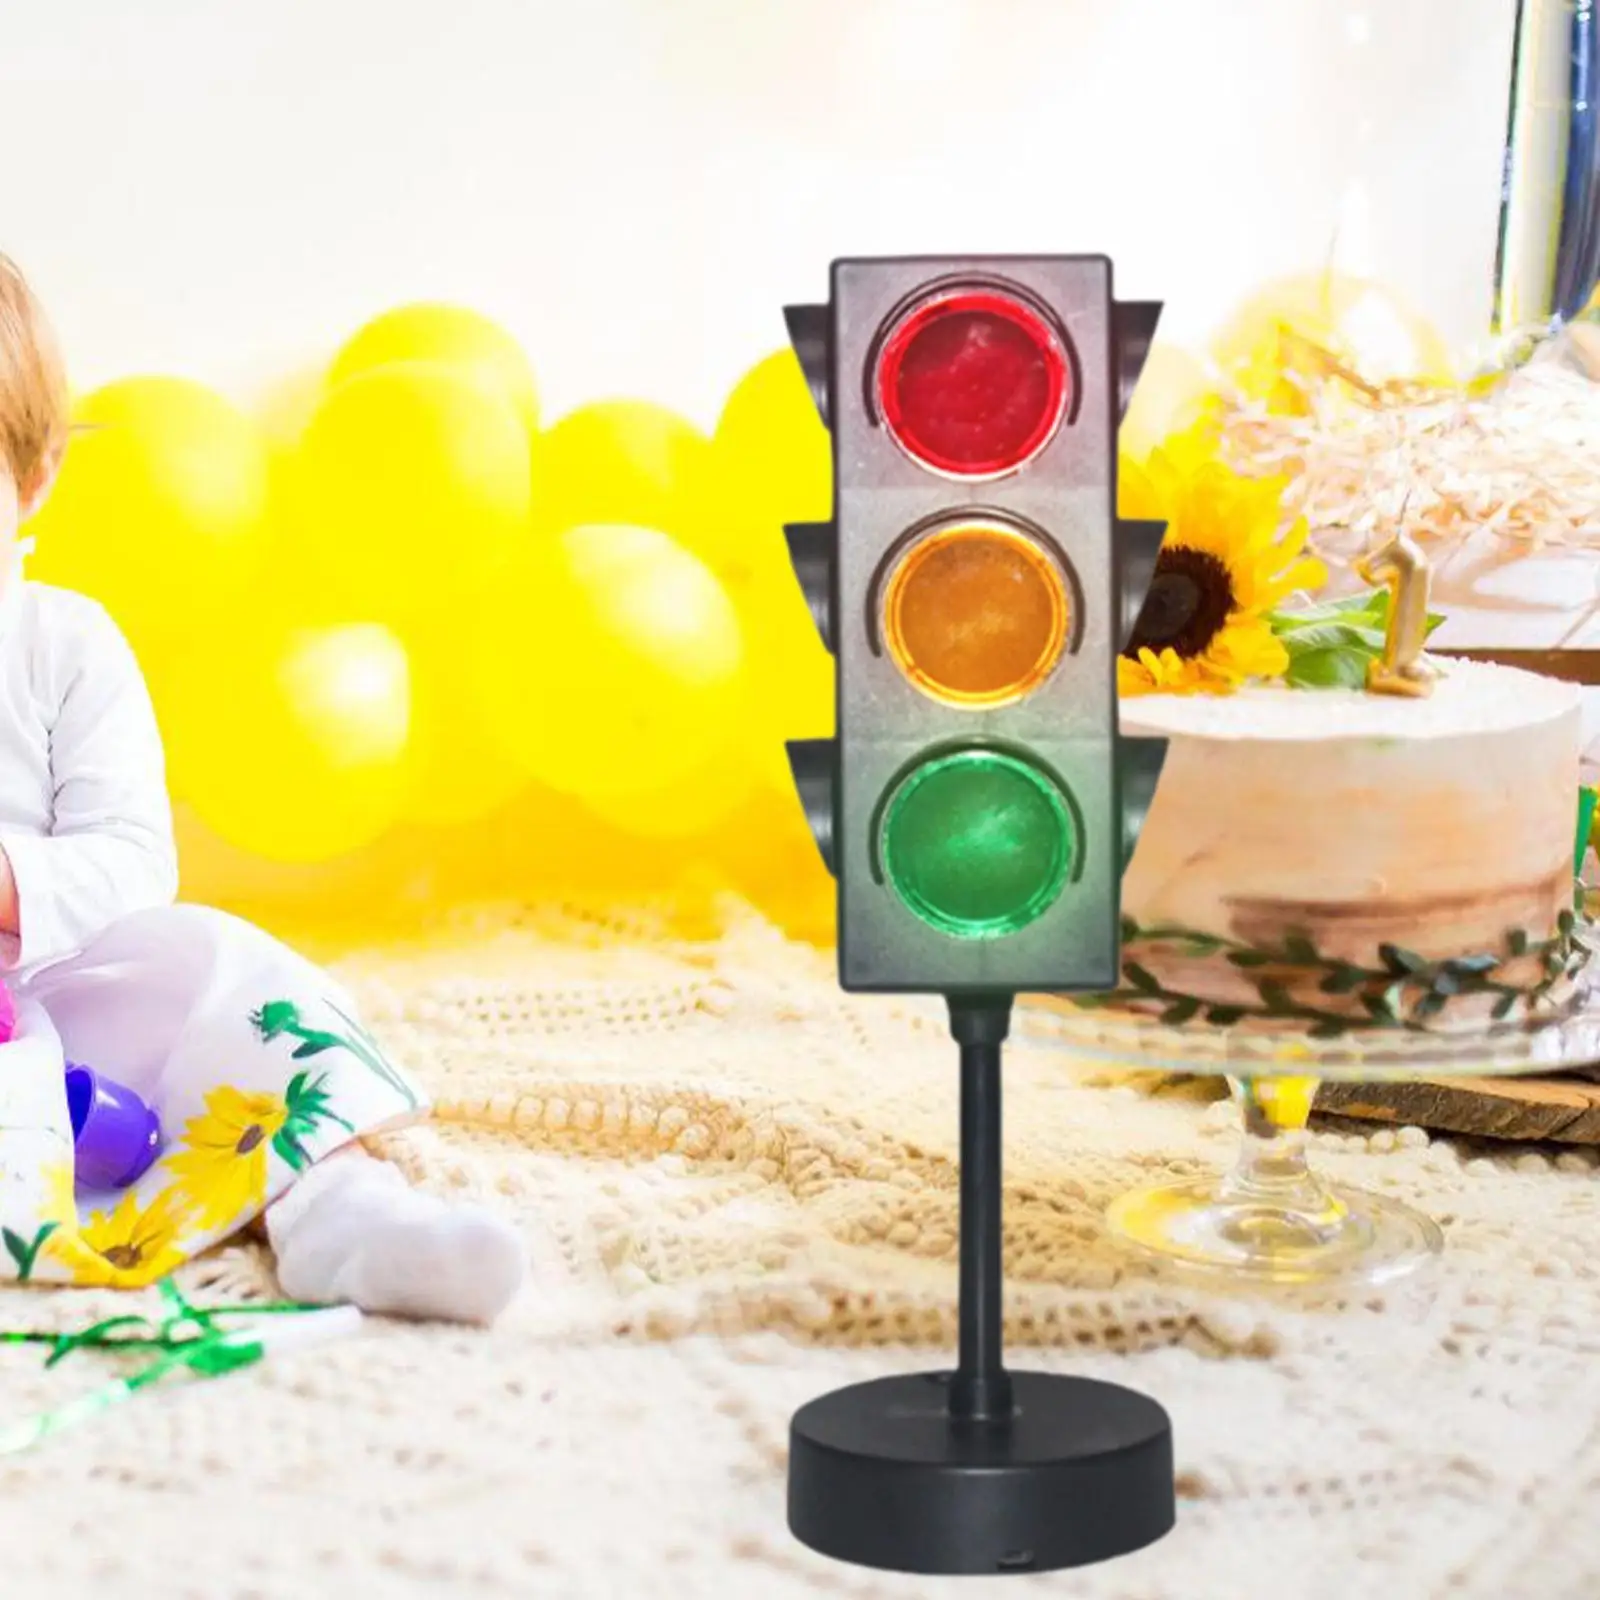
(976, 614)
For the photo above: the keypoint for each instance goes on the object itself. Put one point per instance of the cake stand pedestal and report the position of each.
(1272, 1219)
(980, 1470)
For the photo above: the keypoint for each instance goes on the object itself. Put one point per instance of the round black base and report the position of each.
(881, 1475)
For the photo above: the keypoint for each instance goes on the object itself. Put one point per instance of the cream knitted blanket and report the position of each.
(738, 1189)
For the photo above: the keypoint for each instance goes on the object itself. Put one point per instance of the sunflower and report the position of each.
(1223, 567)
(222, 1169)
(128, 1248)
(1165, 672)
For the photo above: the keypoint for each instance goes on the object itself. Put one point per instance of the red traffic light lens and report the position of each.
(973, 382)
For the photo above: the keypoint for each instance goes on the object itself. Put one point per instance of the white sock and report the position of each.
(354, 1231)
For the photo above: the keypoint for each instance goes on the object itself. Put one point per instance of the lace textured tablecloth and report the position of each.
(738, 1191)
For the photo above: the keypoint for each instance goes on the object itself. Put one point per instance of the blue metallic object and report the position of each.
(1548, 256)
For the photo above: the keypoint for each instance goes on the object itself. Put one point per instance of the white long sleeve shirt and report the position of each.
(84, 814)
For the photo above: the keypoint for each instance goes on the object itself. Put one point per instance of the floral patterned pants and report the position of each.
(252, 1056)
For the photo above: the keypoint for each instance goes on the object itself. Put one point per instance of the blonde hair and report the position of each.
(34, 407)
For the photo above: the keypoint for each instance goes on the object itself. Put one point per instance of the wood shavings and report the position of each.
(1518, 462)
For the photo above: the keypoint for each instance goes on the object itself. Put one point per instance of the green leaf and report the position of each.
(33, 1253)
(1181, 1010)
(1224, 1016)
(1334, 636)
(1330, 1028)
(1142, 980)
(1386, 1006)
(1472, 966)
(1331, 644)
(24, 1254)
(1401, 961)
(1300, 950)
(1129, 930)
(1517, 941)
(290, 1150)
(1369, 608)
(1249, 958)
(1328, 669)
(313, 1047)
(1502, 1006)
(1430, 1005)
(1381, 1007)
(275, 1017)
(1370, 603)
(1276, 998)
(1344, 979)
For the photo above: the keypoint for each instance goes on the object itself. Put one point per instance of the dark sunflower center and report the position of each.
(125, 1257)
(249, 1139)
(1188, 604)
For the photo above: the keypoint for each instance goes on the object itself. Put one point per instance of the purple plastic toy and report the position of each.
(117, 1137)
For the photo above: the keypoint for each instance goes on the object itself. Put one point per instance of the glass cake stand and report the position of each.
(1272, 1219)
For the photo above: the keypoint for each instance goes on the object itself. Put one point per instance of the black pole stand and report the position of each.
(980, 1470)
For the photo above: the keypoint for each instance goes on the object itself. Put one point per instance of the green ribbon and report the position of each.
(1586, 809)
(188, 1338)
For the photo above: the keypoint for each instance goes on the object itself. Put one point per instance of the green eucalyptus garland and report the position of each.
(1402, 991)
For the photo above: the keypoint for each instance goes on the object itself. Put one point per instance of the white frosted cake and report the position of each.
(1334, 859)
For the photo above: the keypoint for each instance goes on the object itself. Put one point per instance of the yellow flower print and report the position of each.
(222, 1169)
(128, 1248)
(61, 1200)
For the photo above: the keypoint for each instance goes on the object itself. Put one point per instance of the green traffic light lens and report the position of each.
(977, 843)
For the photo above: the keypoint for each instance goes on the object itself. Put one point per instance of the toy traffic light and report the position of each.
(977, 805)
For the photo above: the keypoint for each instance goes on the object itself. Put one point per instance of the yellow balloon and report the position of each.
(413, 490)
(791, 672)
(772, 447)
(615, 666)
(775, 466)
(161, 510)
(1361, 323)
(690, 808)
(546, 845)
(768, 854)
(1172, 393)
(284, 408)
(459, 773)
(293, 747)
(358, 895)
(450, 335)
(624, 462)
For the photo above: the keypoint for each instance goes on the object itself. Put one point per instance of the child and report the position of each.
(251, 1056)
